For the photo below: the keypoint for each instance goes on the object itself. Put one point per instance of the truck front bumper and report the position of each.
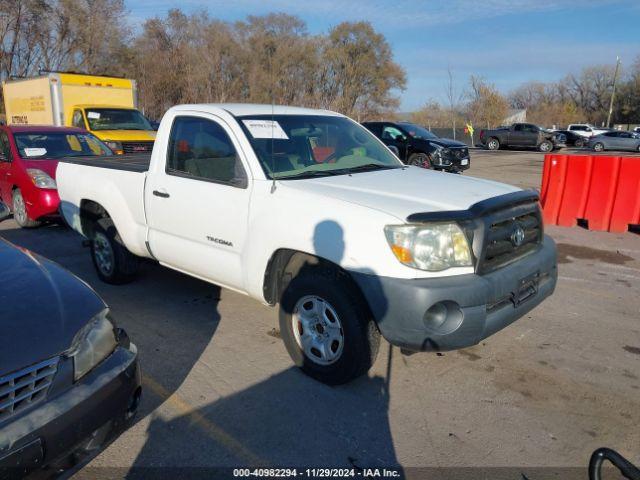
(448, 313)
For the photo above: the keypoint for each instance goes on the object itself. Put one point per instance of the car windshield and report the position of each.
(416, 131)
(116, 119)
(302, 146)
(47, 145)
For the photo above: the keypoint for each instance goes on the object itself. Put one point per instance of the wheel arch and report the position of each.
(284, 264)
(90, 212)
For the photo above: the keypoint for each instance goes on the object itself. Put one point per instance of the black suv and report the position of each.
(415, 145)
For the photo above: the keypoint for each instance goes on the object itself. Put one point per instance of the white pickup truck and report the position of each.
(308, 210)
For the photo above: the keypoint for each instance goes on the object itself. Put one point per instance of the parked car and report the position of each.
(69, 378)
(572, 139)
(415, 145)
(521, 135)
(308, 209)
(615, 140)
(28, 160)
(586, 129)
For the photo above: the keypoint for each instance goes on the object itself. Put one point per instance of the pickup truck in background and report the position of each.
(308, 210)
(521, 135)
(586, 130)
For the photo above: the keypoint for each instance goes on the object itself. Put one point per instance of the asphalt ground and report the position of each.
(220, 389)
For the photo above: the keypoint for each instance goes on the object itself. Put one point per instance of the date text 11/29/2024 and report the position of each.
(316, 472)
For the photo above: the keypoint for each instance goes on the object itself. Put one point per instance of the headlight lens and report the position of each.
(92, 344)
(41, 179)
(432, 247)
(115, 146)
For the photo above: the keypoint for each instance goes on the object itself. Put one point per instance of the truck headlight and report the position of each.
(41, 179)
(432, 247)
(92, 344)
(116, 147)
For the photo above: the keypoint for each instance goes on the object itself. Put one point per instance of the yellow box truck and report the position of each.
(105, 106)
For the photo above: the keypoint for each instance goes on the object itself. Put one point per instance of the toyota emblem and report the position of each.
(517, 236)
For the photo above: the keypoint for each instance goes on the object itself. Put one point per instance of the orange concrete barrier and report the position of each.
(602, 190)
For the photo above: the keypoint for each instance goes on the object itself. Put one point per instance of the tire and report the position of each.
(578, 143)
(20, 214)
(545, 146)
(598, 147)
(493, 144)
(420, 160)
(114, 264)
(352, 337)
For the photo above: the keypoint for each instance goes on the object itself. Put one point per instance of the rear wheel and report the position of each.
(546, 146)
(20, 214)
(326, 329)
(420, 160)
(113, 262)
(579, 143)
(598, 147)
(493, 144)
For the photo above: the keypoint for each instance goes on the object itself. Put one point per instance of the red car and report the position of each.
(28, 161)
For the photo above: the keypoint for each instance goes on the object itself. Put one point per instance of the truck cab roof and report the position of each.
(244, 109)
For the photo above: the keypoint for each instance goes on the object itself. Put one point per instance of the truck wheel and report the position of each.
(327, 330)
(545, 146)
(420, 160)
(20, 214)
(599, 147)
(493, 144)
(114, 263)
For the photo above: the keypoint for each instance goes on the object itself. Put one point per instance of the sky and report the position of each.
(508, 42)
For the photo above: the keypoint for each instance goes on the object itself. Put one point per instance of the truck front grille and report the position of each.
(19, 390)
(137, 147)
(510, 234)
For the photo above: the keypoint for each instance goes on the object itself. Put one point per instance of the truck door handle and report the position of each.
(160, 194)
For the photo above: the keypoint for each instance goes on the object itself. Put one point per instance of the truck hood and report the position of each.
(42, 307)
(403, 191)
(126, 135)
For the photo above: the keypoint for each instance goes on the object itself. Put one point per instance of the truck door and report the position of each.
(197, 204)
(5, 168)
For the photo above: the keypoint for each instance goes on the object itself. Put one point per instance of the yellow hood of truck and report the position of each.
(125, 135)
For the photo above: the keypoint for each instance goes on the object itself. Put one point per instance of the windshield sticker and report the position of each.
(265, 129)
(35, 152)
(93, 115)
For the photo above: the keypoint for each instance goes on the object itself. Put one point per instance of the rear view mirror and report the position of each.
(4, 211)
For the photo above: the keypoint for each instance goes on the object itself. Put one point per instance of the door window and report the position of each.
(5, 150)
(392, 133)
(201, 149)
(77, 120)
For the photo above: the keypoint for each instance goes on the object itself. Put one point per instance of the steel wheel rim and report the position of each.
(492, 144)
(317, 330)
(19, 209)
(545, 147)
(103, 253)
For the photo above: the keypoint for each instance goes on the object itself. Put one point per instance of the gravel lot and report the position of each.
(220, 389)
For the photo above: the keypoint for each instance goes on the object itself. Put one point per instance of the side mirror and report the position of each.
(3, 157)
(395, 150)
(4, 211)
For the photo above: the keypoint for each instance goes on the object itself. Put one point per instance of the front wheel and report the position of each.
(545, 146)
(493, 144)
(20, 214)
(326, 329)
(598, 147)
(113, 262)
(579, 143)
(420, 160)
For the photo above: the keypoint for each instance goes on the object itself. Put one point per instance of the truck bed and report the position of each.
(133, 163)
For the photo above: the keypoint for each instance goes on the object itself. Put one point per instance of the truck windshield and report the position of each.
(116, 119)
(47, 145)
(416, 131)
(302, 146)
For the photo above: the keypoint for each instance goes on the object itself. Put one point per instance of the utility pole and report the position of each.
(613, 91)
